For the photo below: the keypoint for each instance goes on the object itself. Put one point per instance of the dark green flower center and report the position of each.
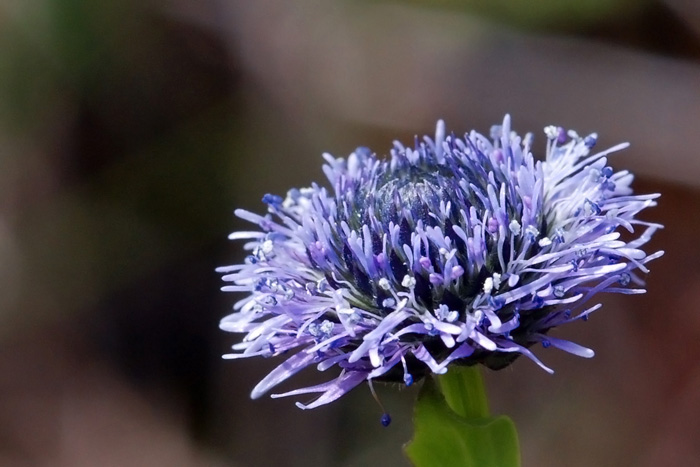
(414, 196)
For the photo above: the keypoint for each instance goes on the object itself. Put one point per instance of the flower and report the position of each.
(456, 251)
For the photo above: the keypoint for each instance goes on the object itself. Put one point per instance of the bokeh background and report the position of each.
(130, 130)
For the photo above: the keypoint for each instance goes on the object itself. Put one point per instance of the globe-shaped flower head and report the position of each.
(458, 251)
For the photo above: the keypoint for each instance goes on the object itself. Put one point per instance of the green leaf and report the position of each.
(444, 437)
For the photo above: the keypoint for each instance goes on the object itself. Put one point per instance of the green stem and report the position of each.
(464, 391)
(453, 426)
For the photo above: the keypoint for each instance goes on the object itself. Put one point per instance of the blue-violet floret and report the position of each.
(458, 251)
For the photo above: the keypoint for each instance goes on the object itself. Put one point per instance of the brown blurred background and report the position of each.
(130, 130)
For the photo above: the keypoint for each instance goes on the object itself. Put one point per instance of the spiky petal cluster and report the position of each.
(457, 251)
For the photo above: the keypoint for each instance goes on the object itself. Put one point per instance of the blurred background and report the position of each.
(130, 130)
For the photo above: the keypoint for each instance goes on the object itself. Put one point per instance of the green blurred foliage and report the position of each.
(541, 14)
(116, 125)
(52, 47)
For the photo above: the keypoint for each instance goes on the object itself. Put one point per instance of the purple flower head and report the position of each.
(456, 251)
